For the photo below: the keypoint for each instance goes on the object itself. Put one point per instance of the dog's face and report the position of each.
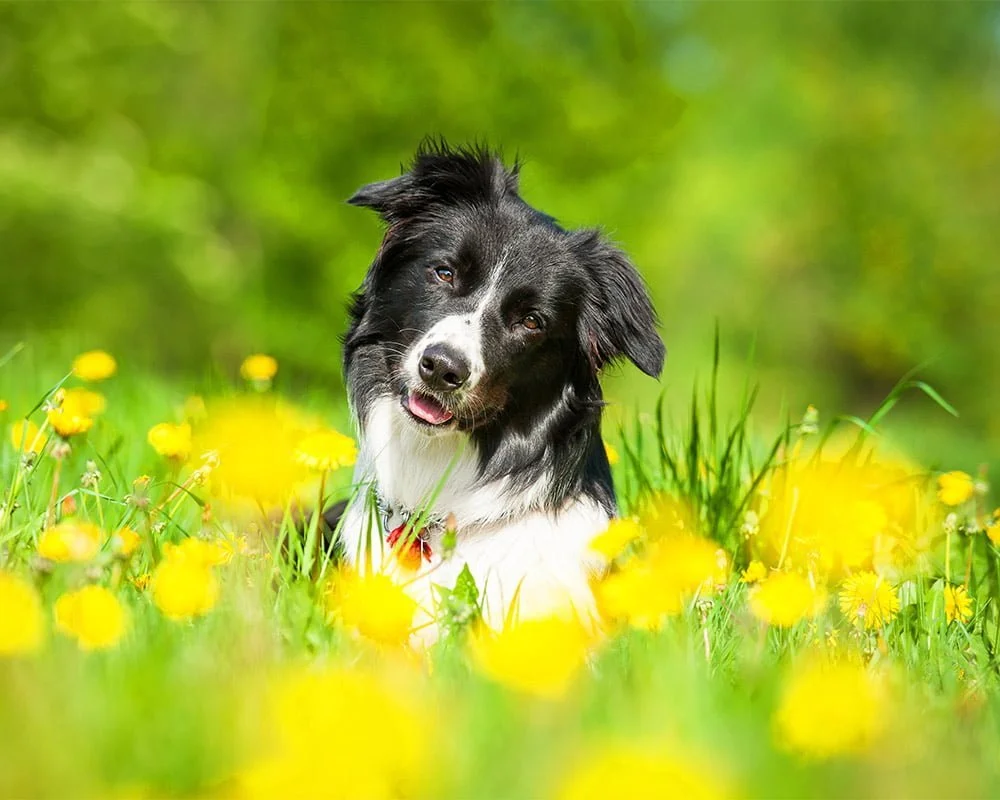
(484, 309)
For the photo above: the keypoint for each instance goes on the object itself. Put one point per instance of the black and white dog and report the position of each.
(472, 364)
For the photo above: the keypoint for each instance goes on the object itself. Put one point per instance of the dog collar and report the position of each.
(411, 547)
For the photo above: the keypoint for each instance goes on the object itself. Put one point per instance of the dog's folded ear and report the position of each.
(618, 318)
(391, 199)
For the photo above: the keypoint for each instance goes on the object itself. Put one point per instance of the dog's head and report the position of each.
(482, 307)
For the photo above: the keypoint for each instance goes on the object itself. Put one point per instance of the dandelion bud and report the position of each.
(61, 450)
(951, 523)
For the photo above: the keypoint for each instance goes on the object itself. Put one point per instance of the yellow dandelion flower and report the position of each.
(259, 368)
(829, 710)
(184, 588)
(612, 541)
(26, 437)
(198, 551)
(612, 454)
(662, 582)
(955, 488)
(94, 365)
(535, 656)
(70, 540)
(171, 441)
(84, 401)
(993, 527)
(755, 571)
(957, 604)
(372, 734)
(91, 615)
(868, 600)
(326, 450)
(786, 598)
(22, 625)
(642, 772)
(125, 542)
(255, 442)
(374, 606)
(75, 411)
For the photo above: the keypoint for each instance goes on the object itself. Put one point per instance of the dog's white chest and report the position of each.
(526, 562)
(536, 565)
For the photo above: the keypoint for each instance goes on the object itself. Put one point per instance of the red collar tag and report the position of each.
(409, 552)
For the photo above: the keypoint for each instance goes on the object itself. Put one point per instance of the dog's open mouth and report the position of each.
(426, 409)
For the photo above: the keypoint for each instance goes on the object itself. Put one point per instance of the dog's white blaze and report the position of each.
(539, 562)
(464, 332)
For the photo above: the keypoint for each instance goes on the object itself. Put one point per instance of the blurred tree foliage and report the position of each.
(822, 177)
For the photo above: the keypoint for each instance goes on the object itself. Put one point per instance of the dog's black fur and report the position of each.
(536, 413)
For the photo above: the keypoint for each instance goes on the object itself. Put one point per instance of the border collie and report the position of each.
(472, 362)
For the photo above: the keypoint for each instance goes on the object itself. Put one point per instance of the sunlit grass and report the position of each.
(808, 615)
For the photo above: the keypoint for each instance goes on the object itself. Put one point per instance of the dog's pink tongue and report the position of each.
(428, 410)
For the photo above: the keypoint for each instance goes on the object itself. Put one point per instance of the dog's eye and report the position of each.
(532, 322)
(445, 274)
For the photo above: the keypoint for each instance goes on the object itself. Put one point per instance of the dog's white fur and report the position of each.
(527, 562)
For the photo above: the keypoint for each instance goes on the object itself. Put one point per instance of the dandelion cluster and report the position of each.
(720, 648)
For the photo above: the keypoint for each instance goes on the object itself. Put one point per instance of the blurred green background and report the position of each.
(820, 178)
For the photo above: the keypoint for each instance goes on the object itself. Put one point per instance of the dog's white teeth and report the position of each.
(428, 409)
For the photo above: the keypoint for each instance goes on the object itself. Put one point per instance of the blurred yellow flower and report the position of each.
(84, 401)
(829, 710)
(786, 598)
(955, 488)
(993, 527)
(125, 541)
(535, 656)
(374, 606)
(171, 441)
(612, 454)
(833, 517)
(661, 582)
(26, 437)
(94, 365)
(372, 737)
(612, 541)
(198, 551)
(868, 600)
(957, 604)
(326, 450)
(70, 540)
(91, 615)
(75, 411)
(259, 367)
(22, 626)
(621, 770)
(755, 571)
(256, 442)
(3, 405)
(184, 587)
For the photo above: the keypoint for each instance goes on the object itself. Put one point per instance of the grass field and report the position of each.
(794, 613)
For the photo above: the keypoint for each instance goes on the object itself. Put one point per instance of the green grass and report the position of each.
(181, 708)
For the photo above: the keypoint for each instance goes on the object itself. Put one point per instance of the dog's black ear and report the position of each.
(618, 320)
(390, 199)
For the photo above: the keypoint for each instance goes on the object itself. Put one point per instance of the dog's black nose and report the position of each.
(443, 369)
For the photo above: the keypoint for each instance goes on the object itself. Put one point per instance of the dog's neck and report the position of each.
(437, 474)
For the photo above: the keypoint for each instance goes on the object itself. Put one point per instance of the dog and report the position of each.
(472, 363)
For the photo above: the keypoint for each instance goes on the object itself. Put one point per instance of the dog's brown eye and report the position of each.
(445, 274)
(532, 322)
